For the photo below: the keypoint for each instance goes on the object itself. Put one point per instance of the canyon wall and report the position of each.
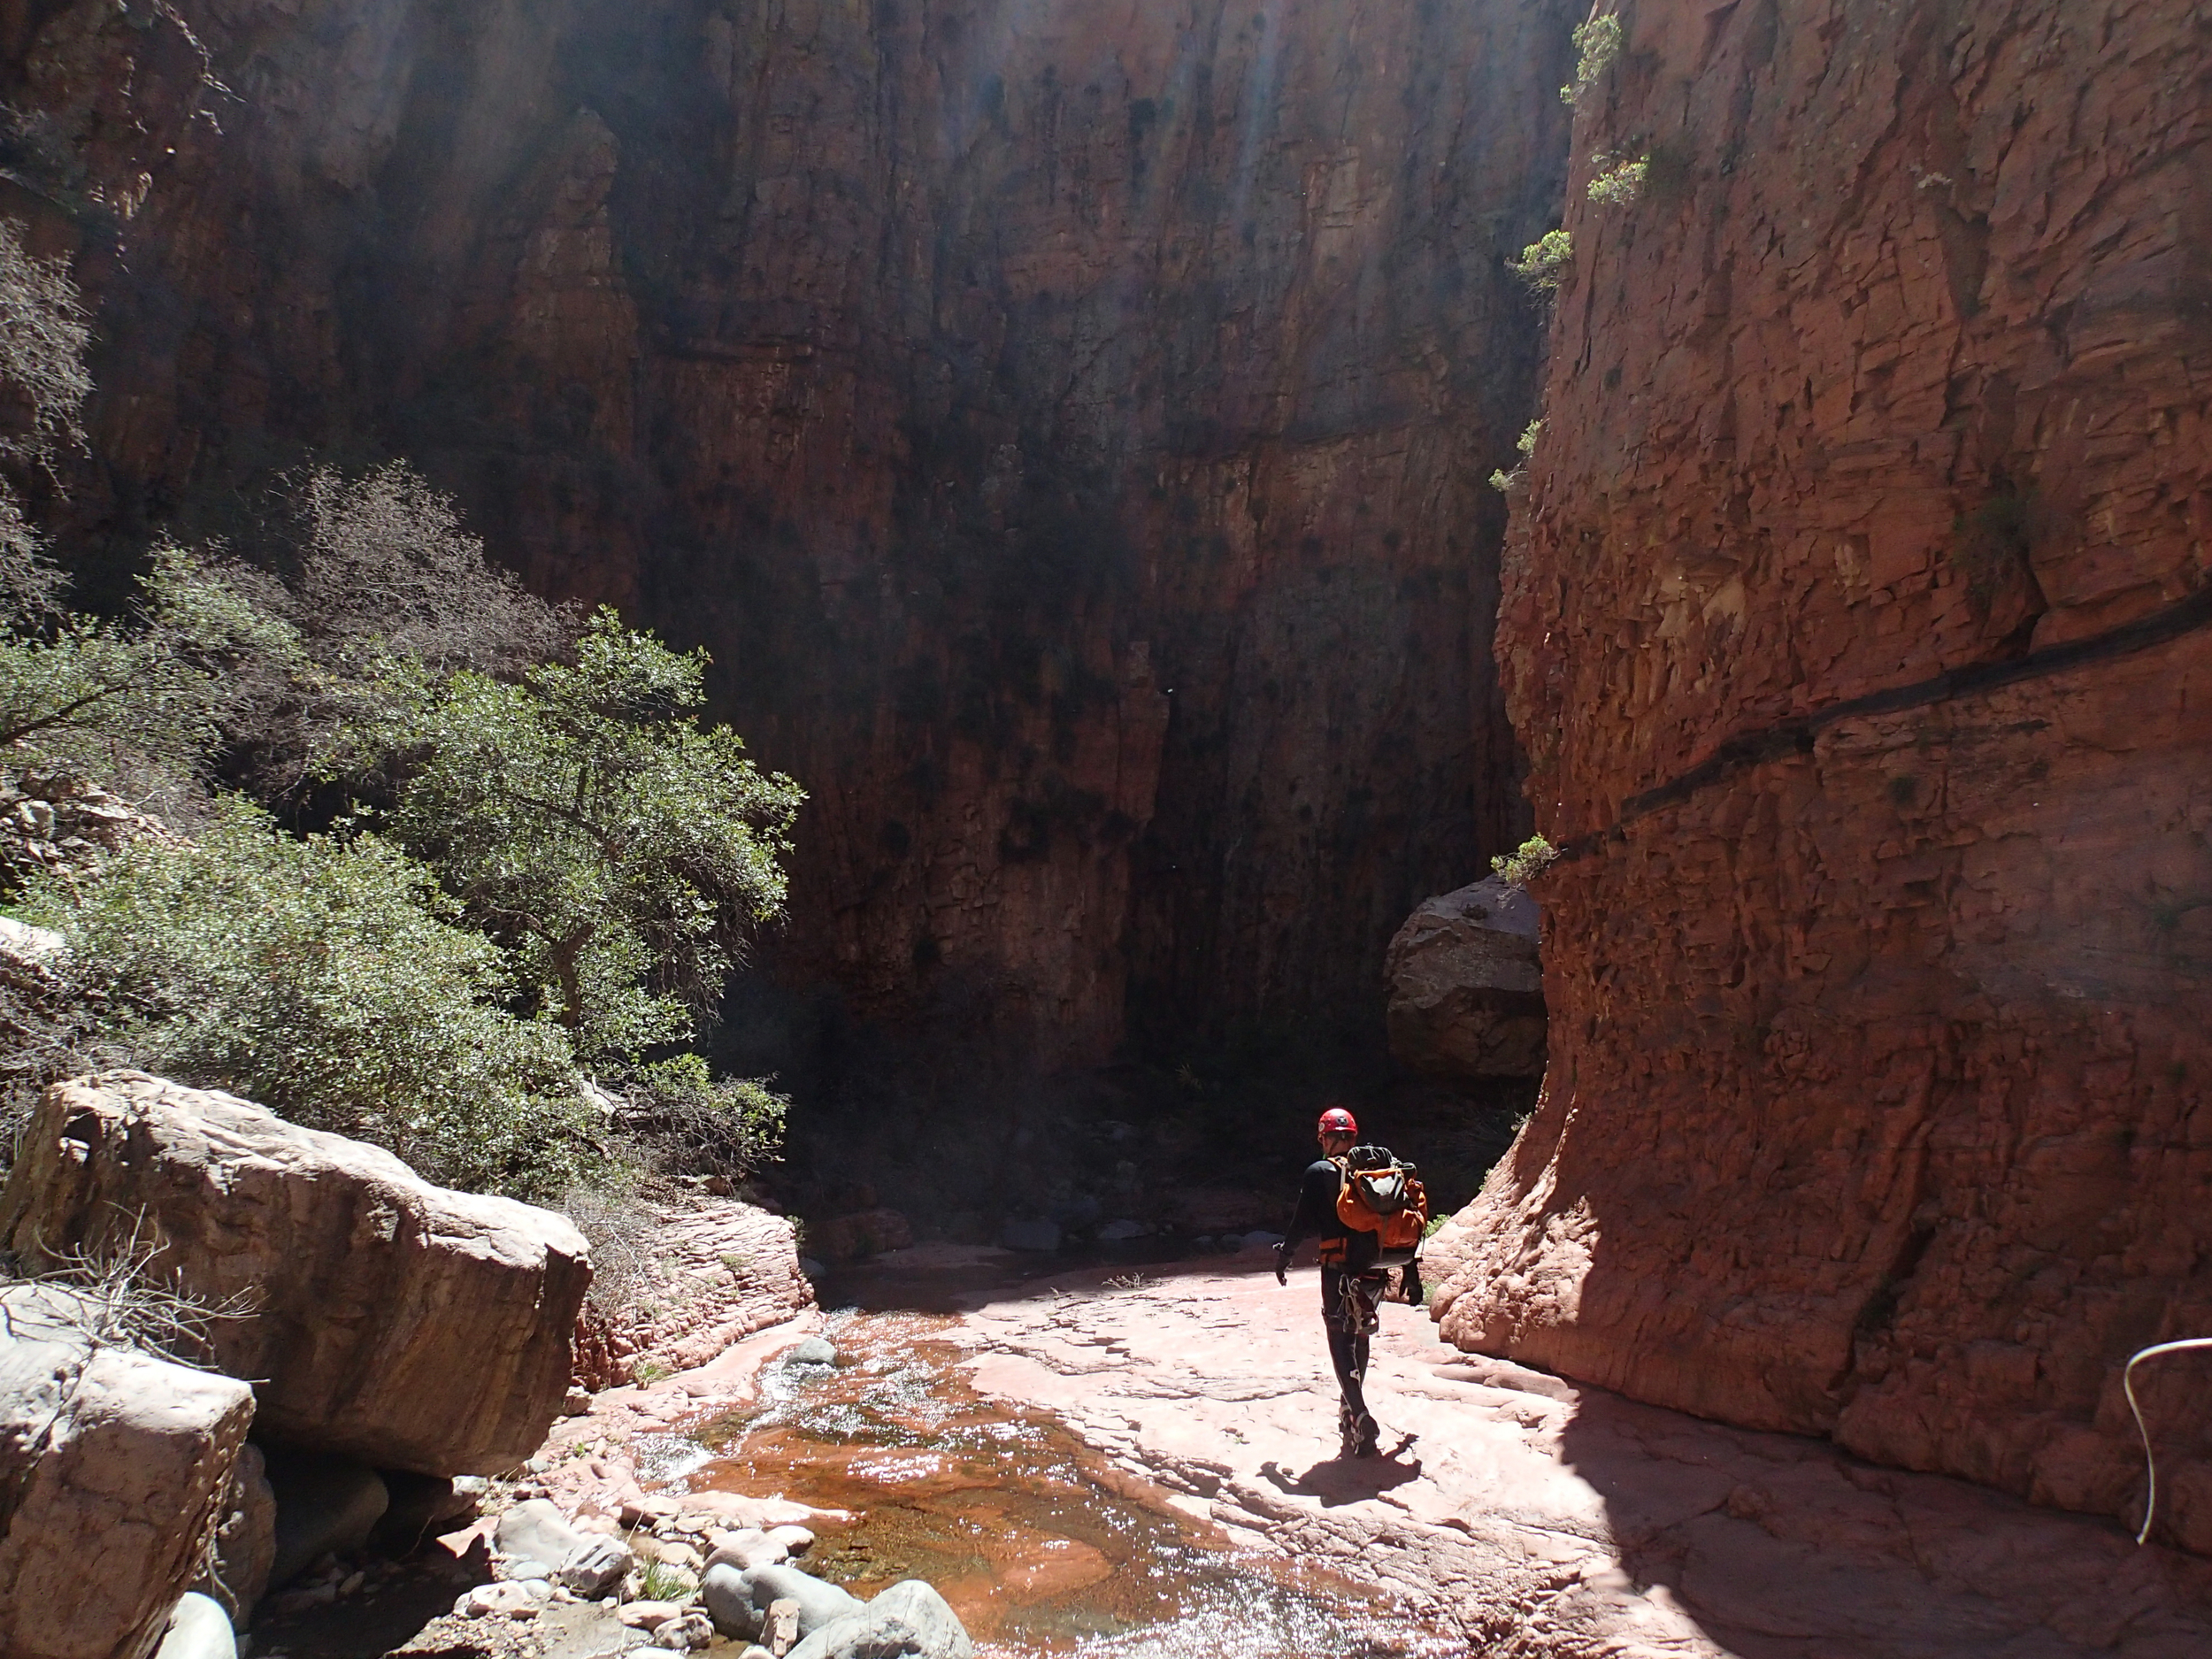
(1065, 423)
(1854, 619)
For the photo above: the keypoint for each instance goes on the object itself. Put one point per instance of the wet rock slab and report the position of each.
(1553, 1519)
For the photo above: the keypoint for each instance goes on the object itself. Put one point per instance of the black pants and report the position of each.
(1347, 1348)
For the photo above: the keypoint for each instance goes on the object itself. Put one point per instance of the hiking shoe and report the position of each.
(1368, 1441)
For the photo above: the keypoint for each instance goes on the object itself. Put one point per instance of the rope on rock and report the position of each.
(2150, 1460)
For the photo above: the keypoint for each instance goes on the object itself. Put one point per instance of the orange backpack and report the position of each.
(1382, 1196)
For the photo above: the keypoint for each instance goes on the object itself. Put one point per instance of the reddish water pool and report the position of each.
(1040, 1545)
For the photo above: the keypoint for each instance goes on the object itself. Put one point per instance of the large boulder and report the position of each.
(1466, 986)
(739, 1600)
(907, 1621)
(535, 1530)
(115, 1467)
(399, 1322)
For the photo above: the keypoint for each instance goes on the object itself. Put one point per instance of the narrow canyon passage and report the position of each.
(1183, 491)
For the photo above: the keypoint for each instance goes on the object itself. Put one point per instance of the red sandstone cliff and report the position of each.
(1065, 423)
(1854, 622)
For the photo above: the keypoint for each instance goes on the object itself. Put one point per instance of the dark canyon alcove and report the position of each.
(1066, 424)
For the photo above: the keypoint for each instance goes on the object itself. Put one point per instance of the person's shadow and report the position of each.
(1339, 1480)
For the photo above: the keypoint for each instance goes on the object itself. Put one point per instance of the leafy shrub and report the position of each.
(694, 1123)
(1527, 862)
(1506, 482)
(327, 981)
(620, 851)
(1618, 183)
(1597, 46)
(1544, 262)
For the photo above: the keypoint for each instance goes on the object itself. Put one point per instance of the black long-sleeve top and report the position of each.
(1316, 1217)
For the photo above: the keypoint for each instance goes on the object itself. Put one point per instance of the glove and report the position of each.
(1282, 1264)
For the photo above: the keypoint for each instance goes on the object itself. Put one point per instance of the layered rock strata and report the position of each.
(705, 1274)
(1855, 624)
(402, 1323)
(1065, 425)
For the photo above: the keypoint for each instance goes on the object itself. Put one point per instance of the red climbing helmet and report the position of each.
(1337, 1121)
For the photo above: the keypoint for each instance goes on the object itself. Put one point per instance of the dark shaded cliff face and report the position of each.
(1874, 509)
(1065, 423)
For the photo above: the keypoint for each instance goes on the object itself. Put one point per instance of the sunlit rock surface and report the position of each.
(1548, 1518)
(406, 1325)
(699, 1275)
(114, 1462)
(1872, 504)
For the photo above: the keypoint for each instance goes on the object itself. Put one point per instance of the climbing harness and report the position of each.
(1357, 1294)
(2150, 1460)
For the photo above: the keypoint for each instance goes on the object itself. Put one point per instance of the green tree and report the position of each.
(153, 688)
(327, 979)
(622, 851)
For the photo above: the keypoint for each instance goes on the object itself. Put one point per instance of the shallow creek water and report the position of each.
(1040, 1545)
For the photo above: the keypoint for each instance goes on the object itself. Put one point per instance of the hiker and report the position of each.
(1352, 1280)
